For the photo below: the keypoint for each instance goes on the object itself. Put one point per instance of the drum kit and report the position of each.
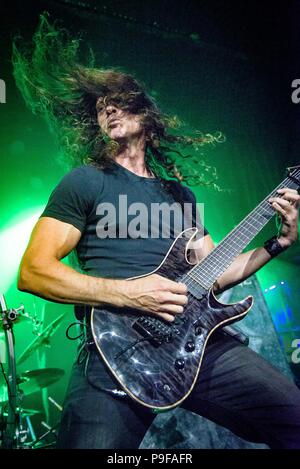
(16, 429)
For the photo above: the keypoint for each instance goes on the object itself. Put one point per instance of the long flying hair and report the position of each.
(66, 93)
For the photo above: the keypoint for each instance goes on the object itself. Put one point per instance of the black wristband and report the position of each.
(273, 247)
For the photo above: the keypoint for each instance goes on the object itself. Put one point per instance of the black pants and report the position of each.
(237, 389)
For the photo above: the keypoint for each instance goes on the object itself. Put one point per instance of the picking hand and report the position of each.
(156, 295)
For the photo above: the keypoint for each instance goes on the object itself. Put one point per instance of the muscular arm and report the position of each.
(244, 265)
(42, 273)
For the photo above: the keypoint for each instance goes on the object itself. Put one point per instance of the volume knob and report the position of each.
(179, 364)
(190, 346)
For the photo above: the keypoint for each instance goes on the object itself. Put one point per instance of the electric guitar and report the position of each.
(157, 362)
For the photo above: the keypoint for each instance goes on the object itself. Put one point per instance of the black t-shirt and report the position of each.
(113, 210)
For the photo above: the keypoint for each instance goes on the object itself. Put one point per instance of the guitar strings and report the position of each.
(211, 266)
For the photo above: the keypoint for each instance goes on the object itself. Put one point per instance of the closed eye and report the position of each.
(99, 108)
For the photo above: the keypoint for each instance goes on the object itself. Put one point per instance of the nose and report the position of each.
(110, 109)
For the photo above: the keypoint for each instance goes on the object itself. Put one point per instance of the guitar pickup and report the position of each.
(153, 330)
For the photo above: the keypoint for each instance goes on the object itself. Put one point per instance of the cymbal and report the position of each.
(41, 339)
(34, 380)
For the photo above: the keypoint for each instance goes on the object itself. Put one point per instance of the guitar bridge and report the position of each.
(153, 330)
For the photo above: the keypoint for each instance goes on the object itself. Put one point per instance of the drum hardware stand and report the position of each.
(22, 432)
(8, 316)
(50, 430)
(14, 430)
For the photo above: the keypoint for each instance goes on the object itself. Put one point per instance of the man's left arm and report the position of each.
(246, 264)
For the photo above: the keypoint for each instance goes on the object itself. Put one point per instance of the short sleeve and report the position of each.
(70, 201)
(189, 197)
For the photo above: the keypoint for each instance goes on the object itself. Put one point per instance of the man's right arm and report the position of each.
(43, 274)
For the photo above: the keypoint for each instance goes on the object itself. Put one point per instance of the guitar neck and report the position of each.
(221, 257)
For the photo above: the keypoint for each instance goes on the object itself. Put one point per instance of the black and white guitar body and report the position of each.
(155, 362)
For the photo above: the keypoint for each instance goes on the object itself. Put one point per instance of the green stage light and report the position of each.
(13, 242)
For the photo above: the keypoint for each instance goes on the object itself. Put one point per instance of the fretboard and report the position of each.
(221, 257)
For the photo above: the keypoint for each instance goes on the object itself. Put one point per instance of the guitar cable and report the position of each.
(81, 356)
(84, 355)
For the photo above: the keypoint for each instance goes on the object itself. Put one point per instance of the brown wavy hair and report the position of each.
(57, 86)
